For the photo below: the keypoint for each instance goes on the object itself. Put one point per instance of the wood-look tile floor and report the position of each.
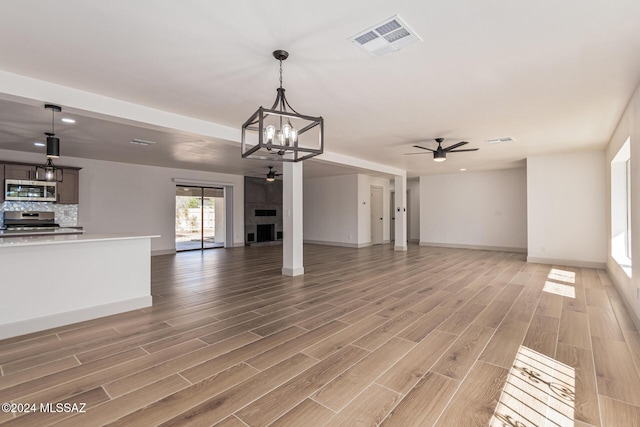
(370, 336)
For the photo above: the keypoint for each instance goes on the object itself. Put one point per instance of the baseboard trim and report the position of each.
(341, 244)
(414, 240)
(568, 262)
(619, 287)
(480, 247)
(292, 272)
(23, 327)
(238, 244)
(163, 252)
(400, 248)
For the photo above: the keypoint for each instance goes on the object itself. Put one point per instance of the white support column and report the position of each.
(219, 220)
(292, 219)
(228, 214)
(400, 212)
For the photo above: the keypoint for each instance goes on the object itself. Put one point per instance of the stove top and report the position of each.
(29, 220)
(31, 227)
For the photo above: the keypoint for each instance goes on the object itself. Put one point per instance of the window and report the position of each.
(628, 237)
(621, 207)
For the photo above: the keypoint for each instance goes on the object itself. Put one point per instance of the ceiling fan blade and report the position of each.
(424, 148)
(410, 154)
(465, 149)
(454, 146)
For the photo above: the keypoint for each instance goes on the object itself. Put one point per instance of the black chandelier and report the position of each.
(281, 133)
(49, 171)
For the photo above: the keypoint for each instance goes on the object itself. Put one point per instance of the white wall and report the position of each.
(566, 208)
(337, 209)
(330, 210)
(628, 127)
(478, 209)
(127, 198)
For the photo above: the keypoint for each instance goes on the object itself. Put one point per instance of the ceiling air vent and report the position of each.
(391, 35)
(141, 142)
(501, 140)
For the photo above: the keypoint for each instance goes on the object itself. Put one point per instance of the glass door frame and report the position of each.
(201, 197)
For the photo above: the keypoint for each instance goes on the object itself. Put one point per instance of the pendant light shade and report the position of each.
(281, 133)
(49, 172)
(53, 146)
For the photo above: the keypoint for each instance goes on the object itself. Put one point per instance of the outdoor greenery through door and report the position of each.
(199, 218)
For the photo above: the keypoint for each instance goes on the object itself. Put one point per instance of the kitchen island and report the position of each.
(50, 281)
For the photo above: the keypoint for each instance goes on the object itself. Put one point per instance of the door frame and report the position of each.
(202, 218)
(374, 222)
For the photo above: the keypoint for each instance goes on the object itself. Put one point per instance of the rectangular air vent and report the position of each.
(391, 35)
(141, 142)
(501, 140)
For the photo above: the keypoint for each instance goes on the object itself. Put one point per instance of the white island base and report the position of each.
(53, 281)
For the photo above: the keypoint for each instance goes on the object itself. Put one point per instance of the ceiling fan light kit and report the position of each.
(271, 175)
(280, 133)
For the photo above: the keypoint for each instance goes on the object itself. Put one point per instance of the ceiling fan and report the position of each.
(271, 176)
(440, 154)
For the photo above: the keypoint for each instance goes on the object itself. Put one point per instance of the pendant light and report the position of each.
(281, 133)
(49, 171)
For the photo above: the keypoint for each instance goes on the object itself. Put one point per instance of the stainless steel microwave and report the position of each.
(29, 191)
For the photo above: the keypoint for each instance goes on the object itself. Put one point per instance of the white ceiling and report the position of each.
(555, 76)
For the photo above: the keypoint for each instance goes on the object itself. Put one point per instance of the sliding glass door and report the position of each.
(199, 218)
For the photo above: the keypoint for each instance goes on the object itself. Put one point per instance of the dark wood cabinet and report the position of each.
(67, 190)
(24, 172)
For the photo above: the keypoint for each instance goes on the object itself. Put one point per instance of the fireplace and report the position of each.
(266, 232)
(262, 212)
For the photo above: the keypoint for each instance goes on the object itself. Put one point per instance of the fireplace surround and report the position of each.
(262, 211)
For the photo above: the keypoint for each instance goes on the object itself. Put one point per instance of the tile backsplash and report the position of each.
(66, 215)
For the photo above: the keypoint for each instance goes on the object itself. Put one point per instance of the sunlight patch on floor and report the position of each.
(540, 391)
(562, 275)
(559, 289)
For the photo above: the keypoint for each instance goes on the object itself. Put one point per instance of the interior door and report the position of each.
(376, 215)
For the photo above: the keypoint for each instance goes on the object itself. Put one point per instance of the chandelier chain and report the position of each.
(281, 74)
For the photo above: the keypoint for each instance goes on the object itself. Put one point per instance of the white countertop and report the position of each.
(6, 242)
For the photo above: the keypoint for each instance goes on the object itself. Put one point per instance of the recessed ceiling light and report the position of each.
(67, 120)
(39, 144)
(463, 169)
(141, 142)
